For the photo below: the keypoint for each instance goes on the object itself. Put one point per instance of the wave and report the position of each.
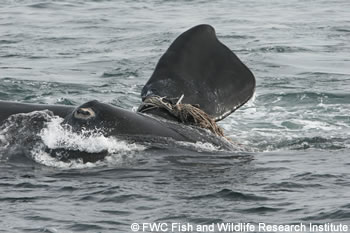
(305, 98)
(52, 5)
(282, 143)
(231, 195)
(280, 49)
(335, 215)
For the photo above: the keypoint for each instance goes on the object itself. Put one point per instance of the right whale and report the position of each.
(197, 73)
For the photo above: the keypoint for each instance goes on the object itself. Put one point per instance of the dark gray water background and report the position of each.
(295, 132)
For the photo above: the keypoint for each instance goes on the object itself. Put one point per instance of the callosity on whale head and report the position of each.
(118, 122)
(90, 115)
(106, 118)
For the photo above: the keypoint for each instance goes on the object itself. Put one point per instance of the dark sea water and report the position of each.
(293, 162)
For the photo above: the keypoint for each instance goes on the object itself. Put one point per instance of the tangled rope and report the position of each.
(185, 113)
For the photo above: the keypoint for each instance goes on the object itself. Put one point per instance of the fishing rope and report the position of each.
(184, 113)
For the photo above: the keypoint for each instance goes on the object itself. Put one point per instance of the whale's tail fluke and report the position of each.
(198, 66)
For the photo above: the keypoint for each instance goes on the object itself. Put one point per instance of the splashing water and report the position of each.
(58, 136)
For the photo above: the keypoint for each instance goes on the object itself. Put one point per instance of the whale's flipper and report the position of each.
(208, 73)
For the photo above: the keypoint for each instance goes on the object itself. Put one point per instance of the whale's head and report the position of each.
(95, 115)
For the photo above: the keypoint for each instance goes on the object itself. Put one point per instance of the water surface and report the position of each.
(294, 134)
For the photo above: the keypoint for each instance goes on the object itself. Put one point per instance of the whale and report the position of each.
(8, 108)
(197, 71)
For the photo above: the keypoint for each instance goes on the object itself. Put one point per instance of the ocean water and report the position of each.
(291, 165)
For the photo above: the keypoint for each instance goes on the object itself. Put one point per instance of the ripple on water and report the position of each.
(229, 194)
(332, 216)
(261, 210)
(292, 186)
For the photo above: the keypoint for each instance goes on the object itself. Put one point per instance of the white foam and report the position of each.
(3, 140)
(42, 157)
(57, 136)
(308, 124)
(200, 146)
(251, 102)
